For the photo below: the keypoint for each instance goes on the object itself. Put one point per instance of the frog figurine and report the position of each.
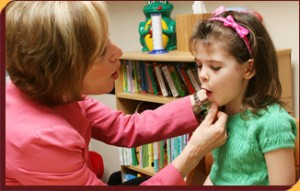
(168, 25)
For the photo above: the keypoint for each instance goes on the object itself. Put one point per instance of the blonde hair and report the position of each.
(50, 46)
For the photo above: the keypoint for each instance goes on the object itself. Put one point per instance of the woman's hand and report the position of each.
(210, 134)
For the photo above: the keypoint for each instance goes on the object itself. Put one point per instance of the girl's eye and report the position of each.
(199, 66)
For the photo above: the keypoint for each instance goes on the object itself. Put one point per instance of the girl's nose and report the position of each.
(203, 76)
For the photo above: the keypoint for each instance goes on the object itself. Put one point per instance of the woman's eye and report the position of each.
(215, 68)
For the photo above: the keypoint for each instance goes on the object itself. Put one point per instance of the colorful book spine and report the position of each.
(145, 156)
(163, 157)
(191, 72)
(133, 156)
(153, 79)
(150, 90)
(176, 80)
(170, 81)
(138, 77)
(169, 151)
(156, 156)
(150, 155)
(161, 81)
(185, 79)
(124, 76)
(144, 82)
(129, 76)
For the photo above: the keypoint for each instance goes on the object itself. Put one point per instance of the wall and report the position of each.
(281, 19)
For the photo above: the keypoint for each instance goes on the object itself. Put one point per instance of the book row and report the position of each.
(156, 155)
(160, 78)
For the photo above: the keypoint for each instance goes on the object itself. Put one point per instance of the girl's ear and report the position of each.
(249, 70)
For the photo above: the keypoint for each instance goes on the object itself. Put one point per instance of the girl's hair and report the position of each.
(50, 46)
(264, 88)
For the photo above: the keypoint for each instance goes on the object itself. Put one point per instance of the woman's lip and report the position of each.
(115, 75)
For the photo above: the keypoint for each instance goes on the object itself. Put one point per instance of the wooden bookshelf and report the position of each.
(127, 102)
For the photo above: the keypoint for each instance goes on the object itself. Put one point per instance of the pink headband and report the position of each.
(241, 31)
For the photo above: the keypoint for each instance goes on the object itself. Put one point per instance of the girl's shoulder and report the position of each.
(276, 128)
(273, 117)
(274, 113)
(270, 120)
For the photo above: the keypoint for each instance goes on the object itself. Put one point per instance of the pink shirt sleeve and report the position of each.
(113, 127)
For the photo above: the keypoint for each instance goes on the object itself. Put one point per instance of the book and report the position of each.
(150, 155)
(161, 80)
(124, 76)
(137, 77)
(181, 68)
(130, 77)
(193, 75)
(170, 81)
(143, 77)
(121, 158)
(134, 156)
(156, 156)
(145, 156)
(159, 151)
(149, 83)
(163, 159)
(176, 80)
(169, 151)
(153, 79)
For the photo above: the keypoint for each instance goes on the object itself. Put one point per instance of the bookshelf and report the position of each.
(127, 102)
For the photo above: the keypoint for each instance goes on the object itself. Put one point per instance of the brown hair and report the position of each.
(50, 46)
(264, 88)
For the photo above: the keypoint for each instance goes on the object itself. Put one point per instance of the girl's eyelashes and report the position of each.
(214, 67)
(199, 65)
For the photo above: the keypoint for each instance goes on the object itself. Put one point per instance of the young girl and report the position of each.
(237, 65)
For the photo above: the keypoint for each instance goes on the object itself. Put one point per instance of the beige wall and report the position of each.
(281, 19)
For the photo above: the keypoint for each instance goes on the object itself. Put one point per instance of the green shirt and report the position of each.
(240, 161)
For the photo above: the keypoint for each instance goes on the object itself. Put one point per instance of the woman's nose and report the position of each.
(116, 53)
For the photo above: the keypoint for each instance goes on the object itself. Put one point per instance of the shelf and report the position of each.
(145, 97)
(146, 171)
(172, 56)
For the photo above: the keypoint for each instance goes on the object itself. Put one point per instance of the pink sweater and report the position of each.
(49, 146)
